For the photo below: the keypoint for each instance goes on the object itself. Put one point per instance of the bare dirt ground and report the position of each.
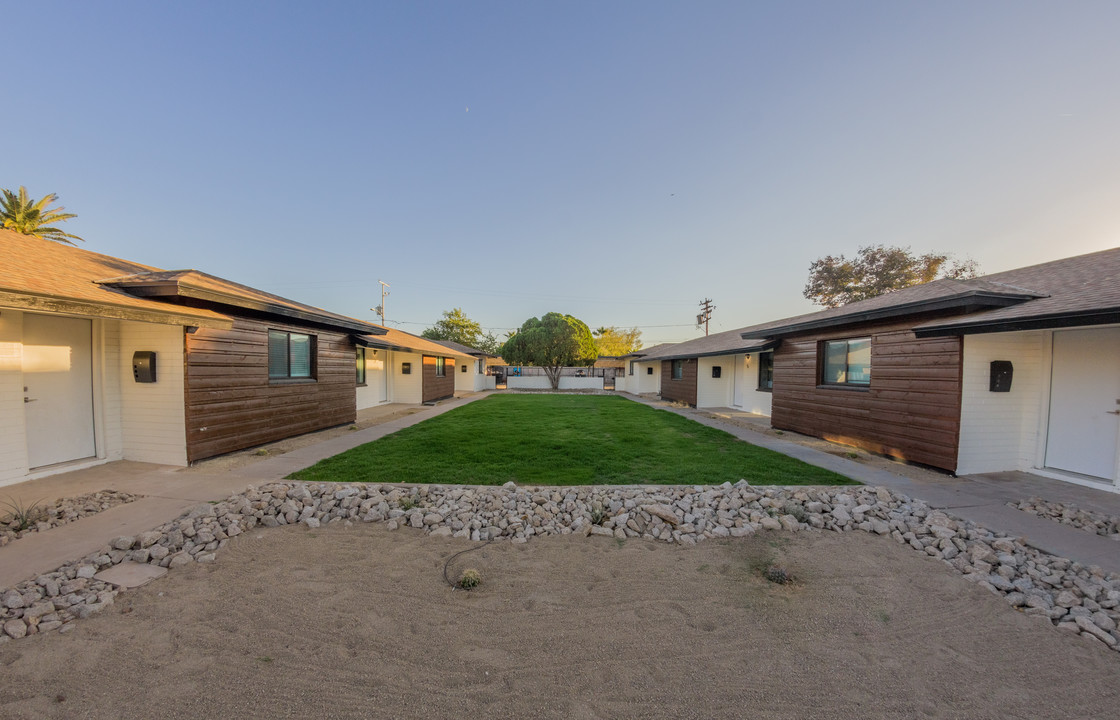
(357, 622)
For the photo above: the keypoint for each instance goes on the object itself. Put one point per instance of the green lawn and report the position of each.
(564, 440)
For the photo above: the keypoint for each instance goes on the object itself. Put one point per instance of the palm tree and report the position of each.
(19, 213)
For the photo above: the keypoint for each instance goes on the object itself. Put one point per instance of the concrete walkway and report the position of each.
(169, 491)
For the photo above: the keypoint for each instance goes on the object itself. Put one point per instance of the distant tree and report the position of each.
(878, 269)
(488, 343)
(456, 327)
(553, 342)
(20, 213)
(617, 341)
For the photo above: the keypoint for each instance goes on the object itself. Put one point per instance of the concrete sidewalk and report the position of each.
(169, 491)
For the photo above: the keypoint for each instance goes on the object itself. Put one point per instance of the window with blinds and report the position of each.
(290, 355)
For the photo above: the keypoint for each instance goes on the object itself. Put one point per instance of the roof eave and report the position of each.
(968, 302)
(55, 304)
(176, 288)
(1040, 322)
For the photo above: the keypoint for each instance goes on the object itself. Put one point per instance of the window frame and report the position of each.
(441, 367)
(360, 367)
(676, 369)
(766, 371)
(312, 357)
(822, 363)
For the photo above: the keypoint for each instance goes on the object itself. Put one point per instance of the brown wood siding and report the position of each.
(911, 410)
(438, 388)
(232, 405)
(683, 390)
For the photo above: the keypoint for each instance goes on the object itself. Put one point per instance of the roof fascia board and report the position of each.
(1049, 322)
(966, 303)
(68, 306)
(174, 288)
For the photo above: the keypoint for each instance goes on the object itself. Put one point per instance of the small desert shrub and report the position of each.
(407, 503)
(470, 579)
(797, 511)
(852, 454)
(778, 575)
(598, 515)
(21, 516)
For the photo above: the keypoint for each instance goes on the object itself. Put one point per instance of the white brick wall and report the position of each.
(715, 392)
(406, 388)
(153, 423)
(110, 441)
(13, 440)
(1000, 431)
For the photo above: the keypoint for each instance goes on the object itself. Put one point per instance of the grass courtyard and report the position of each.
(564, 440)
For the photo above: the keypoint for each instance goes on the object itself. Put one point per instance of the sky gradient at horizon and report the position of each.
(616, 161)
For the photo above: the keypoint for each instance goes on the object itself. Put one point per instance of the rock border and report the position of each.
(1073, 597)
(1090, 521)
(66, 510)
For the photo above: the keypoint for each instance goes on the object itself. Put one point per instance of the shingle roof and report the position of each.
(964, 295)
(210, 288)
(464, 349)
(393, 339)
(40, 274)
(729, 342)
(1080, 290)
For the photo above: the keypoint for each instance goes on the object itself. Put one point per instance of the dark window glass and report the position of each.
(847, 362)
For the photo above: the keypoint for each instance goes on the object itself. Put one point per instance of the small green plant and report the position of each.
(778, 575)
(598, 515)
(852, 454)
(22, 516)
(779, 432)
(407, 503)
(797, 511)
(353, 427)
(470, 579)
(261, 453)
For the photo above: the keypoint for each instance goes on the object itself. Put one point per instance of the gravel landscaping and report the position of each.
(59, 512)
(1069, 514)
(1076, 599)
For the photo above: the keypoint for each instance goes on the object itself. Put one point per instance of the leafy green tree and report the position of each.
(20, 213)
(456, 327)
(617, 341)
(553, 342)
(878, 269)
(488, 343)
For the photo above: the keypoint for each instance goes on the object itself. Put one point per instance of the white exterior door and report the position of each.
(58, 395)
(1084, 425)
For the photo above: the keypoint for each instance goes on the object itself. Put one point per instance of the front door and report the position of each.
(1084, 422)
(58, 389)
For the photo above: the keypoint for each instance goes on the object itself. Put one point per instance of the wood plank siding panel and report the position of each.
(231, 404)
(683, 390)
(438, 388)
(911, 410)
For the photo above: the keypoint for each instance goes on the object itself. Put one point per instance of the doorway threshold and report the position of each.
(1076, 479)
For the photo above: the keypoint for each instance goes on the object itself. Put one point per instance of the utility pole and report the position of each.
(705, 315)
(380, 309)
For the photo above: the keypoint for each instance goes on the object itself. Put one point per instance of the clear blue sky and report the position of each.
(619, 161)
